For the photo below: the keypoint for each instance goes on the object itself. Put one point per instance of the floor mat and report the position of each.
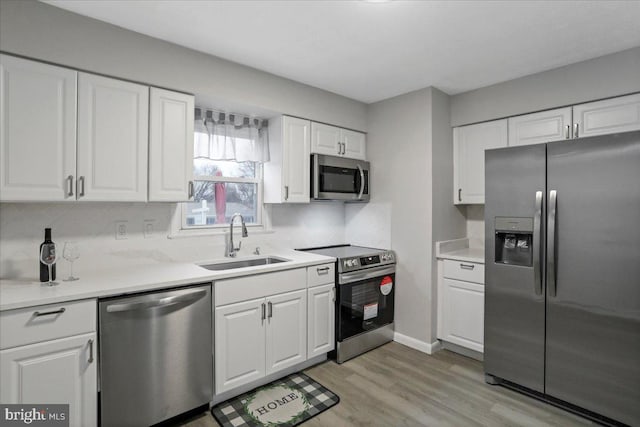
(286, 402)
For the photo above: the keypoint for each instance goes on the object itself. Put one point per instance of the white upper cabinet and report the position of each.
(171, 116)
(287, 174)
(621, 114)
(113, 123)
(354, 144)
(469, 144)
(37, 131)
(536, 128)
(335, 141)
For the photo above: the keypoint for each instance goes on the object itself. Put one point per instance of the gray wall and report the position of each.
(44, 32)
(400, 156)
(603, 77)
(410, 149)
(448, 219)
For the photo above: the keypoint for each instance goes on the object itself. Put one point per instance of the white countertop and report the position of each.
(22, 293)
(460, 250)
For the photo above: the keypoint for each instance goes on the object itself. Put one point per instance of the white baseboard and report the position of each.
(422, 346)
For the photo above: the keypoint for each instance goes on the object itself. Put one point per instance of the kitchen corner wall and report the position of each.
(410, 149)
(92, 225)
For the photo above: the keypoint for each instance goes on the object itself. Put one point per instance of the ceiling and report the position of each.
(370, 51)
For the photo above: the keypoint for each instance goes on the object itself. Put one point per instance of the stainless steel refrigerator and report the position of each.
(562, 253)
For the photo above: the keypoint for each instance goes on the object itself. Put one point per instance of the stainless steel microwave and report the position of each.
(338, 178)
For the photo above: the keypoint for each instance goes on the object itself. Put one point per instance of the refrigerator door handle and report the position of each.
(551, 244)
(537, 229)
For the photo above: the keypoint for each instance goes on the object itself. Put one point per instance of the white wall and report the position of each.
(603, 77)
(48, 33)
(92, 225)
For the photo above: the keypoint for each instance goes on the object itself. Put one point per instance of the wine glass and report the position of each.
(48, 257)
(70, 252)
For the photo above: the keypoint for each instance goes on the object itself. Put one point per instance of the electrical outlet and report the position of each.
(121, 230)
(148, 228)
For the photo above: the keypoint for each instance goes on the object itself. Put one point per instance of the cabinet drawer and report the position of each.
(464, 270)
(46, 322)
(321, 274)
(239, 289)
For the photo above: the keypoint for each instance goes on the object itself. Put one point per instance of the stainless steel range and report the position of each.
(365, 281)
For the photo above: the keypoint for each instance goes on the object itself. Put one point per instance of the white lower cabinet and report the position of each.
(461, 303)
(48, 355)
(239, 344)
(321, 315)
(59, 371)
(286, 330)
(260, 326)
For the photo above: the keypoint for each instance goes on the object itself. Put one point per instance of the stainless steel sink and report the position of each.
(253, 262)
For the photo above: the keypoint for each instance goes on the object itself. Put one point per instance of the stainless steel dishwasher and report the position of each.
(155, 355)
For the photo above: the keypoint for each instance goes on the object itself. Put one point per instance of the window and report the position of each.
(221, 189)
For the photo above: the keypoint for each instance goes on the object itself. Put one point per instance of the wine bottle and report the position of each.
(44, 269)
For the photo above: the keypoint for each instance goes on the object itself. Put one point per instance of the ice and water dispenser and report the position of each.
(514, 237)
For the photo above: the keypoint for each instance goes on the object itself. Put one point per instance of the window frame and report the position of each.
(258, 180)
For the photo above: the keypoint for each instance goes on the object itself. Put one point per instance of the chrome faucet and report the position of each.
(231, 250)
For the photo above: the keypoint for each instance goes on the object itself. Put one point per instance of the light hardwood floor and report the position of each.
(397, 386)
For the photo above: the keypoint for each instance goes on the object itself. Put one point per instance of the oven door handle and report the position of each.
(357, 276)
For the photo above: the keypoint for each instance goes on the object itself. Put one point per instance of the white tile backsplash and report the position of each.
(92, 225)
(475, 222)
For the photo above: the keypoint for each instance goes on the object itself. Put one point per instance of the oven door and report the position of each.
(365, 301)
(337, 178)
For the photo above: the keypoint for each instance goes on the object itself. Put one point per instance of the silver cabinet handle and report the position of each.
(49, 313)
(263, 313)
(467, 266)
(190, 191)
(175, 299)
(323, 270)
(537, 277)
(270, 309)
(80, 184)
(286, 192)
(361, 182)
(567, 132)
(90, 351)
(575, 130)
(344, 148)
(551, 244)
(459, 194)
(70, 185)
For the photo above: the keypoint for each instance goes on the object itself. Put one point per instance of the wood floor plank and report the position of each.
(397, 386)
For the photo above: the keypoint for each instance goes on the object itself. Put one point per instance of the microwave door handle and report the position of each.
(361, 182)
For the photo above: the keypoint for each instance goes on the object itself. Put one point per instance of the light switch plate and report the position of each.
(121, 230)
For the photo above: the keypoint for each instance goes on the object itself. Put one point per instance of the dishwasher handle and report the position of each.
(162, 302)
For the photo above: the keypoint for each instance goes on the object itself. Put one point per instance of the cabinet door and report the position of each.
(355, 144)
(463, 314)
(469, 144)
(326, 139)
(170, 146)
(38, 131)
(58, 371)
(621, 114)
(546, 126)
(239, 344)
(286, 330)
(296, 163)
(321, 317)
(113, 127)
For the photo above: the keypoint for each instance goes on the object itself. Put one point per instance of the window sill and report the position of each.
(208, 232)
